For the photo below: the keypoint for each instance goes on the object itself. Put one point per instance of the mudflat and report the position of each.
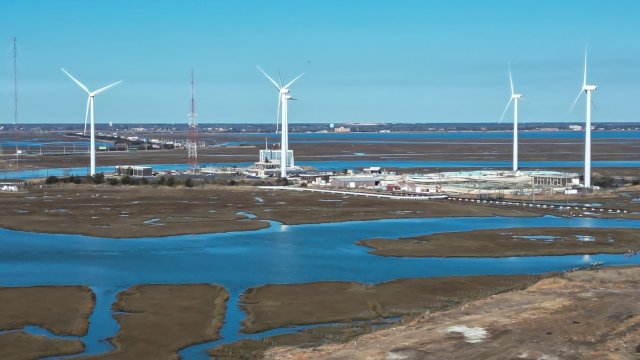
(579, 315)
(275, 306)
(63, 310)
(139, 211)
(510, 242)
(156, 321)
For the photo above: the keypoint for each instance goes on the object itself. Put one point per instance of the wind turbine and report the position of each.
(283, 99)
(91, 95)
(514, 97)
(587, 141)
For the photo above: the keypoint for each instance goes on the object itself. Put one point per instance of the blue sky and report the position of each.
(365, 61)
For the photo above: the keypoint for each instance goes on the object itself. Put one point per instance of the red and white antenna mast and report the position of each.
(192, 144)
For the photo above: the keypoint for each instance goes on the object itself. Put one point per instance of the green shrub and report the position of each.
(604, 182)
(171, 181)
(127, 180)
(98, 178)
(51, 180)
(114, 181)
(189, 183)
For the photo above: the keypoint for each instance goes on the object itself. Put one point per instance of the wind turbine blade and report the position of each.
(106, 87)
(505, 110)
(511, 80)
(575, 101)
(76, 81)
(292, 81)
(584, 80)
(86, 116)
(279, 78)
(594, 105)
(269, 77)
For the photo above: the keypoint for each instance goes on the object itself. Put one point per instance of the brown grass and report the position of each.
(506, 242)
(156, 321)
(18, 345)
(275, 306)
(120, 211)
(63, 310)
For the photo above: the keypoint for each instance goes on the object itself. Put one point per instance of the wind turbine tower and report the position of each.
(15, 85)
(192, 144)
(91, 95)
(514, 97)
(587, 141)
(283, 99)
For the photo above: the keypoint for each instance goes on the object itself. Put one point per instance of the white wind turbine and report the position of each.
(283, 99)
(90, 94)
(587, 141)
(514, 97)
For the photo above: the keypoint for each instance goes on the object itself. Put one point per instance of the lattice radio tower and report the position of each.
(192, 144)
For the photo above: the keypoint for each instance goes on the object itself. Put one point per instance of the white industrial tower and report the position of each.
(587, 141)
(514, 97)
(91, 95)
(283, 99)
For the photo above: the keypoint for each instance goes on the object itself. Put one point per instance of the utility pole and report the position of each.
(192, 144)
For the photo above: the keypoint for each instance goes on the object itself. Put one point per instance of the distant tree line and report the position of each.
(124, 180)
(169, 181)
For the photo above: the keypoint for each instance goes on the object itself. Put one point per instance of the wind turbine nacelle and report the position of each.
(288, 97)
(516, 96)
(284, 91)
(590, 87)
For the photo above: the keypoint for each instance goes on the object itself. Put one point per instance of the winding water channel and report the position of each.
(241, 260)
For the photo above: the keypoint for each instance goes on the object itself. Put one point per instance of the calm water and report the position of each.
(333, 165)
(240, 260)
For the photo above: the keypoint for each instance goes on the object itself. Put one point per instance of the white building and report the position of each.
(272, 155)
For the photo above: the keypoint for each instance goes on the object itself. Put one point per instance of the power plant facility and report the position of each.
(276, 162)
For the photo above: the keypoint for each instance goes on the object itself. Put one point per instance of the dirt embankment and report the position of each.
(138, 211)
(510, 242)
(580, 315)
(156, 321)
(63, 310)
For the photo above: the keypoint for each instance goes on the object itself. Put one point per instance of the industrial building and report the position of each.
(12, 185)
(459, 183)
(134, 170)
